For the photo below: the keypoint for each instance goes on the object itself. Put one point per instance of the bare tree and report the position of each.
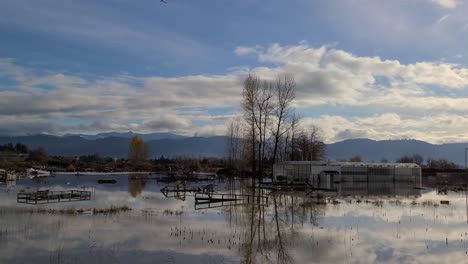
(416, 158)
(234, 143)
(309, 145)
(289, 145)
(264, 108)
(441, 164)
(285, 94)
(317, 146)
(249, 95)
(257, 106)
(294, 133)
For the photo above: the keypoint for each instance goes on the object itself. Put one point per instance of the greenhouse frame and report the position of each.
(328, 172)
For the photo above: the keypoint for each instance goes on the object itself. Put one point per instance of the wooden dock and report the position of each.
(214, 200)
(45, 197)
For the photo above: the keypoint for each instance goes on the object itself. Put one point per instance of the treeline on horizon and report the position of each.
(140, 162)
(17, 148)
(12, 158)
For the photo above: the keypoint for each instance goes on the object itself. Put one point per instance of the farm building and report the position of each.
(325, 173)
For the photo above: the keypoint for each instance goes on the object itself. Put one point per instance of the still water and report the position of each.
(362, 223)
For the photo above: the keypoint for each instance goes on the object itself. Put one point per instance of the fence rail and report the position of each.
(213, 200)
(44, 197)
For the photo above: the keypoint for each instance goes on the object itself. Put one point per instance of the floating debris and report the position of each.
(106, 181)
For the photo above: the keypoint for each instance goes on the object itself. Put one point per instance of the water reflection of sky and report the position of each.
(387, 228)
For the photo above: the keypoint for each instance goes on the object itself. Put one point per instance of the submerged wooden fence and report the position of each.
(44, 197)
(213, 200)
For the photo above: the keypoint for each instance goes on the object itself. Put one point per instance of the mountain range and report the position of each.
(116, 144)
(391, 150)
(170, 145)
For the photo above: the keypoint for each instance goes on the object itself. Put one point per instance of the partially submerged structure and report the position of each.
(6, 177)
(215, 200)
(45, 197)
(326, 173)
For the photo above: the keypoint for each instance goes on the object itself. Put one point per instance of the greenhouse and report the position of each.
(326, 173)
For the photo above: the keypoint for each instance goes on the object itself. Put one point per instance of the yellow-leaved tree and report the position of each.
(138, 150)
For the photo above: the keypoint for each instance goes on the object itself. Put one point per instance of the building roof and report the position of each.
(351, 164)
(330, 171)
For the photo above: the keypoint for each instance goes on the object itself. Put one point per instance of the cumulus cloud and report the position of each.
(336, 77)
(306, 59)
(146, 104)
(394, 99)
(441, 128)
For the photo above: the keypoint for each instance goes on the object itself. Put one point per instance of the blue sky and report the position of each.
(377, 69)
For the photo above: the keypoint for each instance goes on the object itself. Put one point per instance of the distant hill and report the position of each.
(372, 150)
(113, 146)
(170, 145)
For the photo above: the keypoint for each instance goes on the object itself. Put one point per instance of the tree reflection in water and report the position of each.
(136, 184)
(268, 232)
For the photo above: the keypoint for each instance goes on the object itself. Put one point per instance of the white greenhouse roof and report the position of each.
(351, 164)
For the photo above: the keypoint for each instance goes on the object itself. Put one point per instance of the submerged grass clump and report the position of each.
(430, 203)
(377, 203)
(395, 202)
(172, 212)
(313, 202)
(70, 211)
(112, 210)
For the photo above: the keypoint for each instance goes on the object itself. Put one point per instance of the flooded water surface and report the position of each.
(128, 219)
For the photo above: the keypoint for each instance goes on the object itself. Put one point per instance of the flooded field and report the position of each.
(128, 219)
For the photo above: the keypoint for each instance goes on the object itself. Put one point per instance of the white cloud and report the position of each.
(442, 19)
(298, 54)
(449, 4)
(241, 51)
(393, 94)
(441, 128)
